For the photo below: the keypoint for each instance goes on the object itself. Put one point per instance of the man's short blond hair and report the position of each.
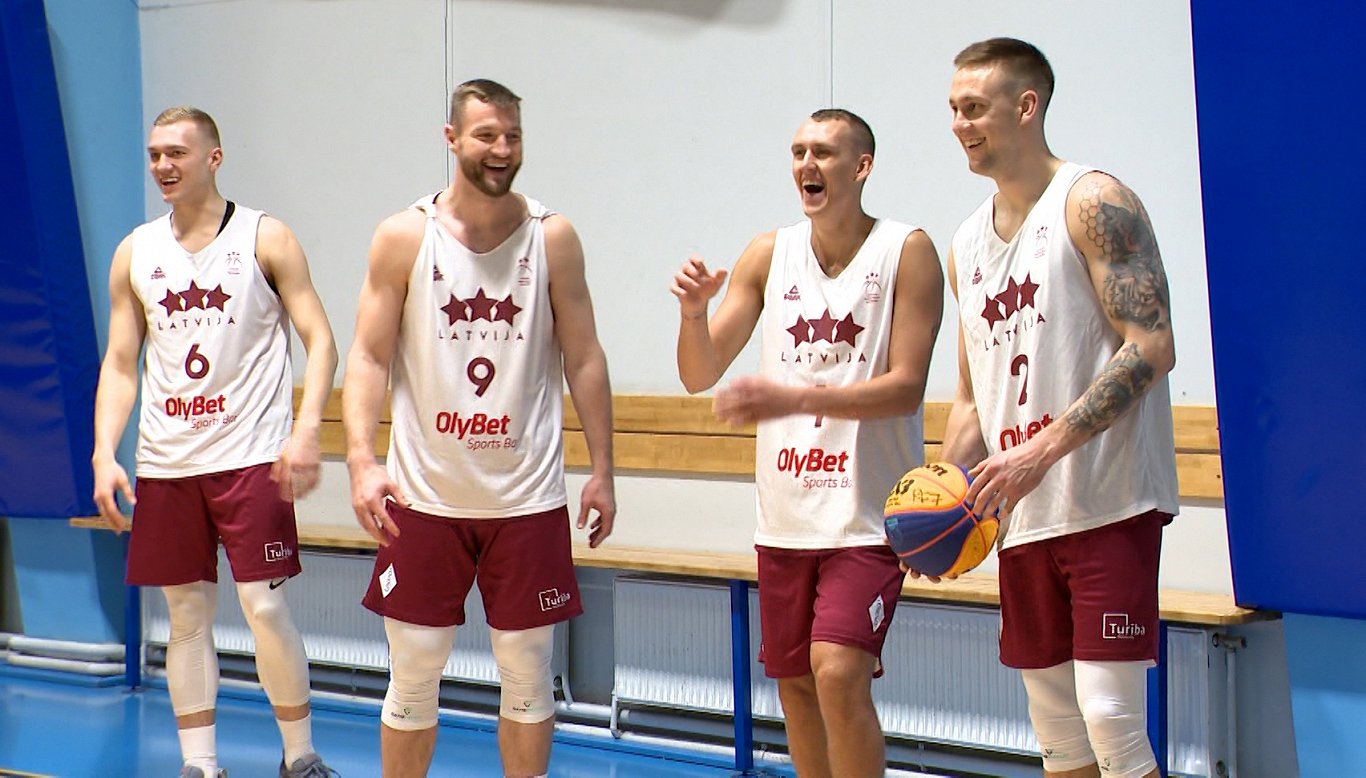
(483, 90)
(185, 113)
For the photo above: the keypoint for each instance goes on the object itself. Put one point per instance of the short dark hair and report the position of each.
(863, 134)
(185, 113)
(1024, 61)
(483, 90)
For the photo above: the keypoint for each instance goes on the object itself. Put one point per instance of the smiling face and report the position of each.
(487, 145)
(997, 118)
(182, 159)
(828, 166)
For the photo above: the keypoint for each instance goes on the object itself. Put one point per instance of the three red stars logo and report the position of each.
(1014, 299)
(827, 328)
(481, 307)
(195, 297)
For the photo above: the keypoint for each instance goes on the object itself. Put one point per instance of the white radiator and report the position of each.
(337, 630)
(944, 682)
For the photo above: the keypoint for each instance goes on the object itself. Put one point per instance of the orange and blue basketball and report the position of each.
(931, 527)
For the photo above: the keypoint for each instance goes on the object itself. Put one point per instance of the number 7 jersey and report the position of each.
(216, 380)
(1036, 337)
(477, 377)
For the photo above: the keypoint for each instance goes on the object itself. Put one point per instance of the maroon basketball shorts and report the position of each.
(178, 523)
(524, 565)
(1090, 596)
(840, 595)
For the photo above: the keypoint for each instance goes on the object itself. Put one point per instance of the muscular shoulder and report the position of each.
(751, 269)
(273, 236)
(1106, 219)
(401, 233)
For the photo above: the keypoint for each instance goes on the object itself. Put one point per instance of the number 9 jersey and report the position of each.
(478, 380)
(216, 379)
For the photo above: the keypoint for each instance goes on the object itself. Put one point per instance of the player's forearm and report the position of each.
(591, 390)
(363, 390)
(698, 366)
(319, 373)
(1126, 378)
(114, 399)
(963, 443)
(890, 394)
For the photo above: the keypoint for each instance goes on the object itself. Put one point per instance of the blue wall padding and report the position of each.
(49, 360)
(1280, 169)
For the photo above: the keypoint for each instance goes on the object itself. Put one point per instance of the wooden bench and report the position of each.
(976, 589)
(679, 434)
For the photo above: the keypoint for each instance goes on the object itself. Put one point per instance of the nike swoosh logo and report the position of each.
(277, 583)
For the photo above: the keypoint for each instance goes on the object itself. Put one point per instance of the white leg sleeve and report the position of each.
(191, 661)
(528, 689)
(1113, 698)
(417, 655)
(280, 659)
(1057, 719)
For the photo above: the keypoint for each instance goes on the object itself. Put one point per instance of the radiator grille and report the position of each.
(944, 682)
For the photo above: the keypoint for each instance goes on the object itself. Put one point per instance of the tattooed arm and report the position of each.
(1110, 227)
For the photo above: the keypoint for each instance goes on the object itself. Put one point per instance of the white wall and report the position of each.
(661, 127)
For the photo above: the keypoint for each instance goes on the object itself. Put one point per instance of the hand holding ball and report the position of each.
(931, 527)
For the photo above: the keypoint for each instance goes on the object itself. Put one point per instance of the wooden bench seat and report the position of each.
(974, 589)
(679, 434)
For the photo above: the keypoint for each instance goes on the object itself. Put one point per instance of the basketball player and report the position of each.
(211, 289)
(1063, 411)
(476, 297)
(848, 308)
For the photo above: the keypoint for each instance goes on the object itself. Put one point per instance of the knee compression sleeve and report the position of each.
(191, 661)
(523, 656)
(1113, 697)
(280, 659)
(1057, 719)
(417, 655)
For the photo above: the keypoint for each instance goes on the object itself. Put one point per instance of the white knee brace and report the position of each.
(417, 656)
(1057, 719)
(281, 662)
(191, 661)
(1113, 699)
(528, 689)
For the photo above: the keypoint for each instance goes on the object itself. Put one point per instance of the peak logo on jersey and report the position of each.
(827, 328)
(524, 271)
(872, 289)
(481, 307)
(1010, 301)
(157, 274)
(553, 598)
(234, 262)
(976, 276)
(792, 294)
(195, 298)
(437, 274)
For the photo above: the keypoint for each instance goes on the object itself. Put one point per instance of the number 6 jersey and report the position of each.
(478, 387)
(216, 379)
(1036, 337)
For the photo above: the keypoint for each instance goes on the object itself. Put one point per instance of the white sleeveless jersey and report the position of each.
(217, 388)
(478, 378)
(1036, 338)
(822, 482)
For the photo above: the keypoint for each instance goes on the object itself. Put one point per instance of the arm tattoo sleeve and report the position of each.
(1135, 285)
(1125, 378)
